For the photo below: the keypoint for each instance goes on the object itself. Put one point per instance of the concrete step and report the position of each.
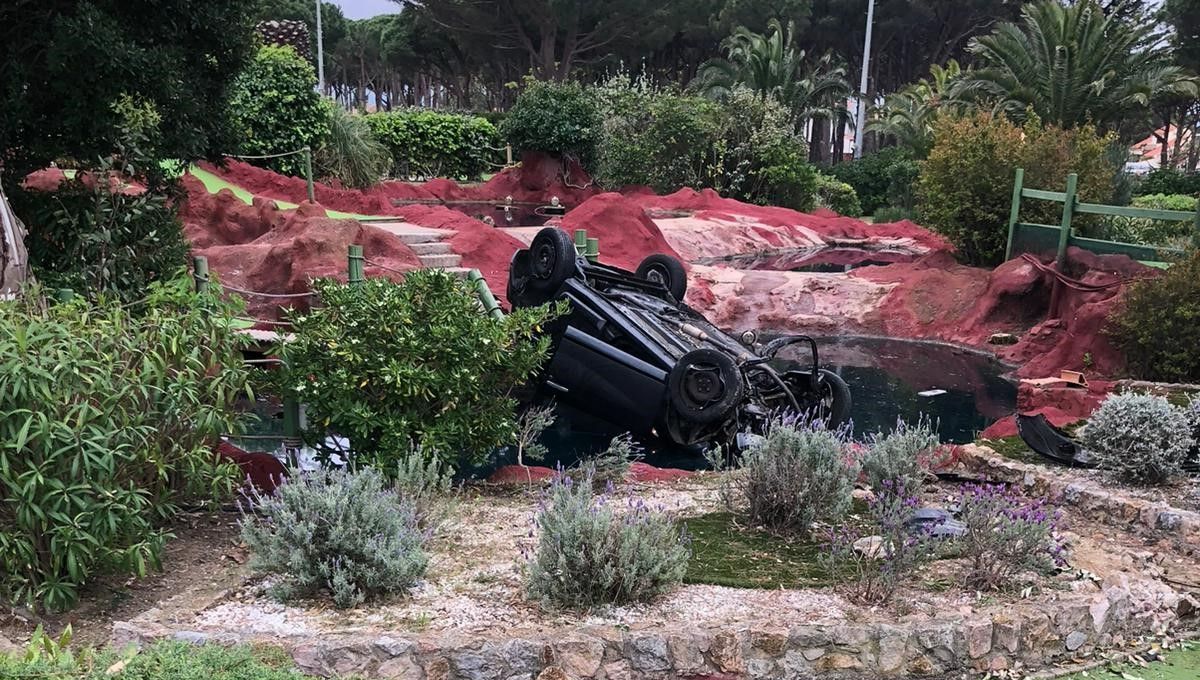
(434, 248)
(411, 233)
(440, 261)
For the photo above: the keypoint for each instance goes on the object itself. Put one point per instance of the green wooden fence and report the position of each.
(1031, 237)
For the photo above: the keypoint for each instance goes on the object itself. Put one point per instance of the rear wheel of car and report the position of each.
(551, 259)
(835, 398)
(667, 271)
(705, 386)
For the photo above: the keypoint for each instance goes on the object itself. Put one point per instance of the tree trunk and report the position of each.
(818, 146)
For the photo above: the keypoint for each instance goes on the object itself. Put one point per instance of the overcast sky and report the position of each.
(363, 9)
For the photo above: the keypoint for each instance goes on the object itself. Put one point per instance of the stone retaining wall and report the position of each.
(1030, 634)
(1095, 501)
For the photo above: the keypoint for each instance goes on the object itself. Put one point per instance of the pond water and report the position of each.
(516, 215)
(825, 259)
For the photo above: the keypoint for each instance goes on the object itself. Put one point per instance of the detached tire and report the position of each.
(551, 260)
(705, 386)
(666, 270)
(835, 398)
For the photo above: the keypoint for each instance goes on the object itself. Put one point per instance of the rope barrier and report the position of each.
(256, 293)
(263, 321)
(384, 267)
(265, 156)
(1076, 284)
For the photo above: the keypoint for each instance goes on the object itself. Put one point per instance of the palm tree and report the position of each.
(771, 65)
(1074, 64)
(908, 115)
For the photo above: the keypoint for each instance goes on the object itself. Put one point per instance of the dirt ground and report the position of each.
(203, 559)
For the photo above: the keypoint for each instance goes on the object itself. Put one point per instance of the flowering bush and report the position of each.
(797, 474)
(338, 531)
(900, 456)
(1006, 534)
(1141, 438)
(425, 483)
(590, 551)
(873, 572)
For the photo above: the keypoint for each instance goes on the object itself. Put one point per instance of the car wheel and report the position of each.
(517, 290)
(705, 385)
(551, 259)
(667, 271)
(834, 398)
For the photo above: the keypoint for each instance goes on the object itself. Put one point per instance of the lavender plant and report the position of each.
(874, 572)
(1141, 438)
(798, 474)
(336, 531)
(899, 456)
(1006, 534)
(425, 483)
(593, 549)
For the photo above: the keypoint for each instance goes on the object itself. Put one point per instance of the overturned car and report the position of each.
(631, 352)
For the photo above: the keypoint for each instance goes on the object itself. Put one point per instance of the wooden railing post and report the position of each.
(1064, 236)
(1015, 212)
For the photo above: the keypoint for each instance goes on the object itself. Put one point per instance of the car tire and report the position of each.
(551, 260)
(704, 386)
(835, 398)
(666, 270)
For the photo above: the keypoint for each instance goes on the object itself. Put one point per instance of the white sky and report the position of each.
(363, 9)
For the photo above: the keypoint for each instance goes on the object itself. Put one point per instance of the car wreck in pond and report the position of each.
(631, 352)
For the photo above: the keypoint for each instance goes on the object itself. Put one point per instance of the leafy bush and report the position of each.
(1141, 438)
(335, 531)
(1169, 181)
(760, 158)
(426, 143)
(590, 551)
(880, 178)
(396, 365)
(1006, 534)
(530, 426)
(425, 483)
(274, 108)
(900, 457)
(554, 118)
(350, 153)
(106, 419)
(837, 196)
(965, 187)
(888, 215)
(1157, 326)
(1177, 234)
(93, 238)
(798, 474)
(872, 575)
(159, 661)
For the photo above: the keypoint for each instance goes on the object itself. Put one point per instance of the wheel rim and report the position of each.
(827, 397)
(544, 260)
(702, 385)
(658, 275)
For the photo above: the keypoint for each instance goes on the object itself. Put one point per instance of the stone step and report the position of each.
(411, 233)
(440, 261)
(433, 248)
(460, 272)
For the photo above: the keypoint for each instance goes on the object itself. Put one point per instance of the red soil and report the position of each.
(262, 470)
(627, 235)
(641, 472)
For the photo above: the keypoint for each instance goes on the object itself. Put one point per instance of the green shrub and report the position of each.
(610, 466)
(159, 661)
(391, 366)
(93, 238)
(555, 118)
(335, 531)
(1157, 326)
(965, 187)
(1169, 181)
(592, 550)
(901, 456)
(106, 419)
(760, 158)
(889, 214)
(879, 178)
(1141, 438)
(837, 196)
(274, 108)
(1176, 234)
(350, 153)
(426, 143)
(798, 474)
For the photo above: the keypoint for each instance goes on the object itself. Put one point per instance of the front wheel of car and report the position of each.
(835, 398)
(551, 259)
(665, 270)
(705, 386)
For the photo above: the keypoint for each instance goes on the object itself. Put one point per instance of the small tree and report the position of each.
(530, 426)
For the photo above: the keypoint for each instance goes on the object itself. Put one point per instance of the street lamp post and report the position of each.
(321, 52)
(860, 124)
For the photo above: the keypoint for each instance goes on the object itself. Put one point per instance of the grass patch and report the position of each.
(1011, 447)
(726, 554)
(1180, 664)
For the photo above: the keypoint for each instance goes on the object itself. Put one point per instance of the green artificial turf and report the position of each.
(215, 183)
(726, 554)
(1180, 664)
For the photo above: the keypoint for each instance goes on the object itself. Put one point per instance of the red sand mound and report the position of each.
(627, 235)
(518, 474)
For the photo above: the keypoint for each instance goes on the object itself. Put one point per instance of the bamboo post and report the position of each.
(308, 174)
(581, 240)
(1015, 212)
(354, 265)
(593, 250)
(200, 273)
(1064, 236)
(508, 155)
(490, 305)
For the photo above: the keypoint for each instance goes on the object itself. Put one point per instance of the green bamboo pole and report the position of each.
(354, 265)
(490, 305)
(308, 174)
(581, 241)
(200, 273)
(1015, 212)
(593, 250)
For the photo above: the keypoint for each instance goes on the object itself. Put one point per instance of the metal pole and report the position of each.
(860, 124)
(308, 175)
(320, 52)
